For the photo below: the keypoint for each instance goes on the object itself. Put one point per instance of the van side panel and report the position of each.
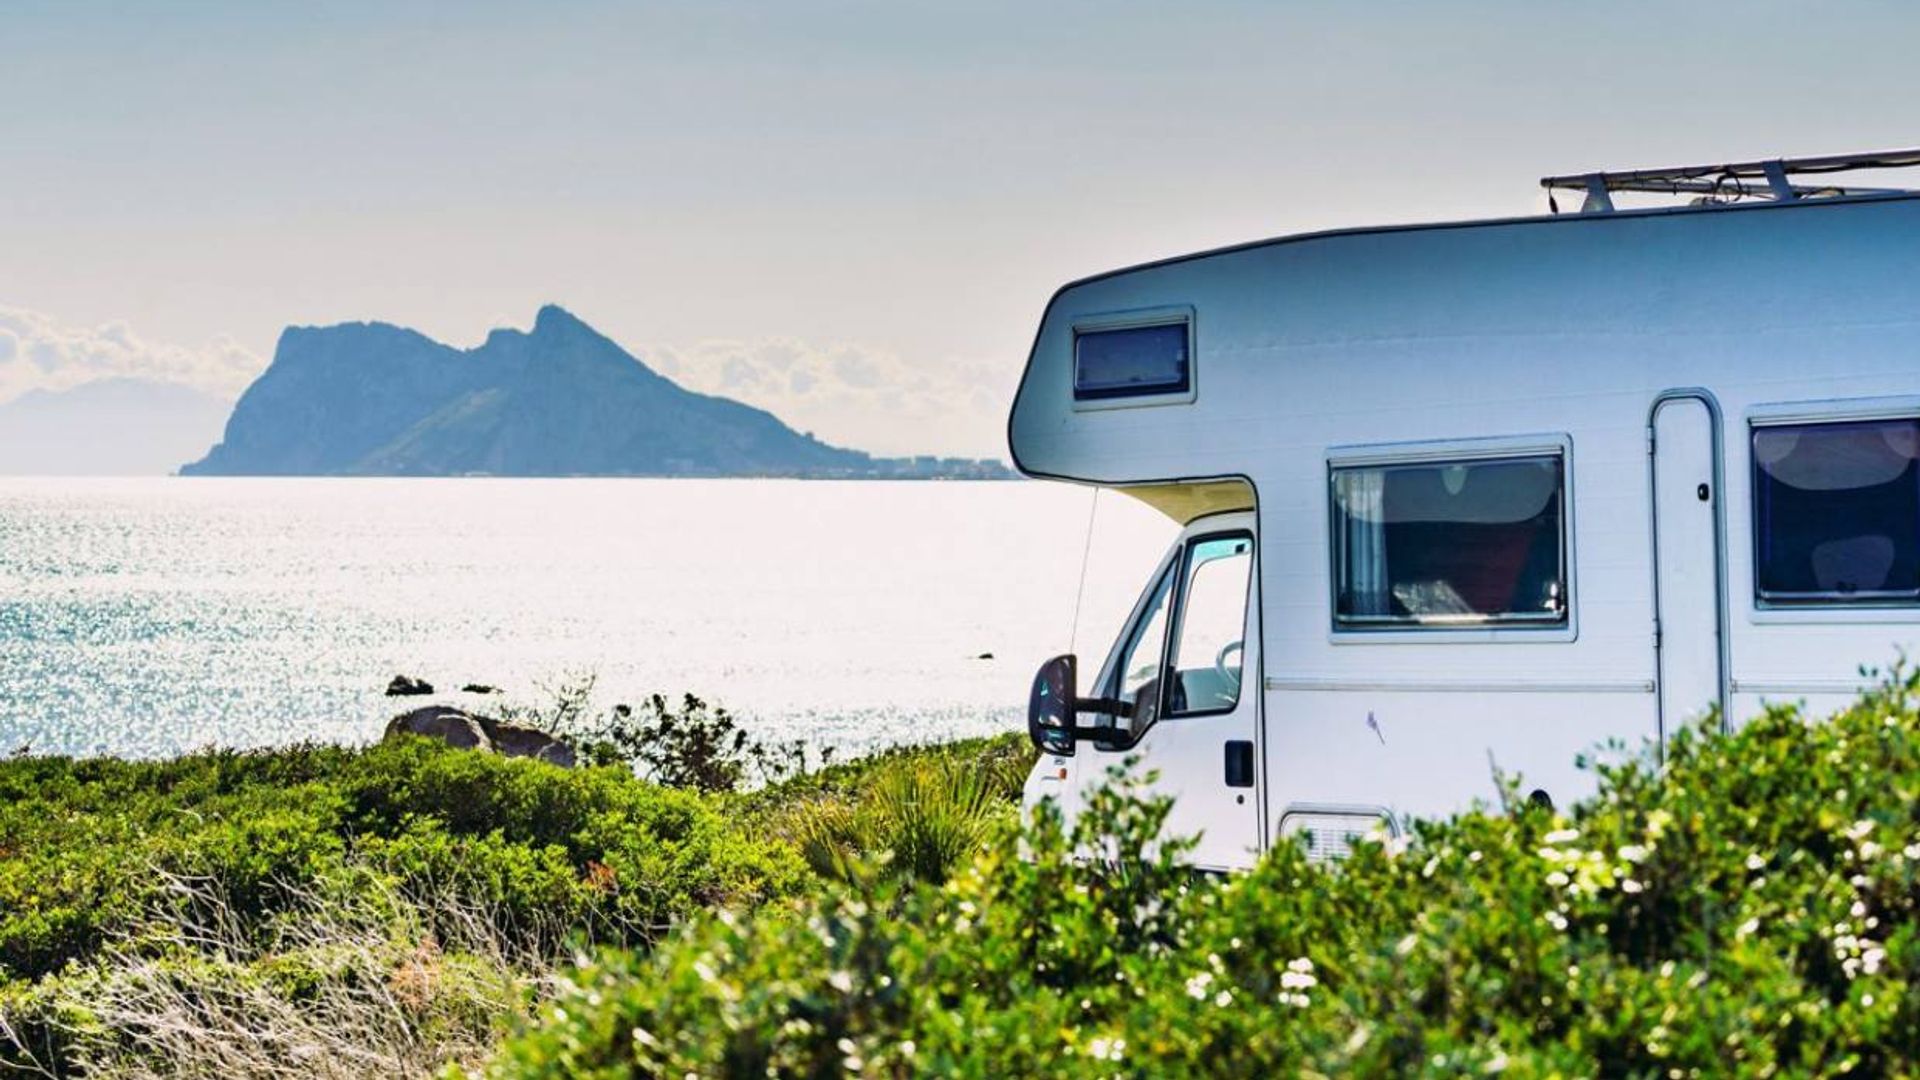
(1565, 327)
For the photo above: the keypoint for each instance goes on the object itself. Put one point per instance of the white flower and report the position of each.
(1870, 960)
(1405, 945)
(1755, 862)
(1197, 986)
(1748, 928)
(1633, 853)
(1223, 999)
(1858, 909)
(1497, 1063)
(1106, 1048)
(1300, 964)
(1562, 836)
(1628, 885)
(1297, 980)
(1558, 878)
(1859, 830)
(1556, 920)
(841, 981)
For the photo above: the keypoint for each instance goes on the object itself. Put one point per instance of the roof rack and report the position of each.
(1719, 184)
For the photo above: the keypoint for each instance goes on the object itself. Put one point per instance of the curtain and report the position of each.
(1362, 495)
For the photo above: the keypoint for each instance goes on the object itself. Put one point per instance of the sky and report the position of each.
(851, 213)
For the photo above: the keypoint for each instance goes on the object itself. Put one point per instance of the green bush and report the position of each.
(86, 846)
(1749, 908)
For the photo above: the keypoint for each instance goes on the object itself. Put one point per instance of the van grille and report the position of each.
(1330, 832)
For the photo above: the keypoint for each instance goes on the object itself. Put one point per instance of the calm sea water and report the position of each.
(144, 617)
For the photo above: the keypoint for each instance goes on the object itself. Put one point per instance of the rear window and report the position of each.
(1837, 512)
(1132, 361)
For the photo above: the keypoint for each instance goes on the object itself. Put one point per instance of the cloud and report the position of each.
(852, 395)
(38, 353)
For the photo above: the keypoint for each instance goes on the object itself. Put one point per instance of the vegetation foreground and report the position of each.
(1748, 908)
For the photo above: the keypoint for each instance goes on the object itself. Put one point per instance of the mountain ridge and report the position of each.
(558, 399)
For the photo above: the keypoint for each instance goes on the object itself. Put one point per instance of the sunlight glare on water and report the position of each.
(146, 616)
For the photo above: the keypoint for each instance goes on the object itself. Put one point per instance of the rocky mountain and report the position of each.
(110, 427)
(559, 400)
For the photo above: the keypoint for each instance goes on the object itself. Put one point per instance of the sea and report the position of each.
(147, 617)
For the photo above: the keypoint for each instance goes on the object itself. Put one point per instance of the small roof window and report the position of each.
(1142, 359)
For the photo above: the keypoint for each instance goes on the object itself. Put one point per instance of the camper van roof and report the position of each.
(1738, 196)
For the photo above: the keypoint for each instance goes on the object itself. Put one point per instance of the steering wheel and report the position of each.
(1229, 675)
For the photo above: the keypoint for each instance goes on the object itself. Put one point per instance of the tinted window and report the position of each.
(1210, 645)
(1837, 511)
(1136, 360)
(1453, 543)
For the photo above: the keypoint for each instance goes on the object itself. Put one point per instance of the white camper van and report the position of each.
(1486, 495)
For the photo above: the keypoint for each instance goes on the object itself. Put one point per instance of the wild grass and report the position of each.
(362, 978)
(921, 813)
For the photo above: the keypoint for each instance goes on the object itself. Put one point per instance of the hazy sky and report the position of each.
(878, 196)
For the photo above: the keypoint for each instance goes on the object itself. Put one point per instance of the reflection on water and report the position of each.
(147, 616)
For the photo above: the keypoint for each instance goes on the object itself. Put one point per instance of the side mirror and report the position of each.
(1053, 708)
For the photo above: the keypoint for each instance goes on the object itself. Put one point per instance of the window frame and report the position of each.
(1822, 609)
(1137, 319)
(1177, 625)
(1176, 564)
(1470, 451)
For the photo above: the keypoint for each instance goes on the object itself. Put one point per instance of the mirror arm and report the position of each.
(1110, 706)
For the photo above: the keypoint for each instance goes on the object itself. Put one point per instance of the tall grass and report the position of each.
(369, 981)
(924, 818)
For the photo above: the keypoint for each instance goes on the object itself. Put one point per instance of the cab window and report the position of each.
(1210, 643)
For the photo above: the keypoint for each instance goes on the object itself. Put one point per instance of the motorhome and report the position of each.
(1475, 498)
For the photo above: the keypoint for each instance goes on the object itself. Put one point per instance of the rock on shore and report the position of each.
(467, 731)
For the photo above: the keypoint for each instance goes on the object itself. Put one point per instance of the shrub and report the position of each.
(697, 745)
(1751, 907)
(84, 844)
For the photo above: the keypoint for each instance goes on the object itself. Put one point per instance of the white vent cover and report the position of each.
(1330, 831)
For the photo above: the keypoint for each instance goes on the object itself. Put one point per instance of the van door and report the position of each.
(1689, 612)
(1190, 667)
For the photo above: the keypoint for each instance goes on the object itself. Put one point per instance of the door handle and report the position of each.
(1240, 763)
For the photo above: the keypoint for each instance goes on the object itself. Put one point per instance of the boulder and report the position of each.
(404, 686)
(451, 726)
(465, 731)
(513, 740)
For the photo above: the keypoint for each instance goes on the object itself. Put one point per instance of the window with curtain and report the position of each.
(1450, 543)
(1836, 510)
